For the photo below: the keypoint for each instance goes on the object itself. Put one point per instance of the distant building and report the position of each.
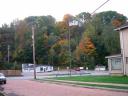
(39, 68)
(118, 64)
(100, 68)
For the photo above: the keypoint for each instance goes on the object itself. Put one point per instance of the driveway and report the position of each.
(32, 88)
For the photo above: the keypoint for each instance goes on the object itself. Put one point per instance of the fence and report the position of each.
(11, 72)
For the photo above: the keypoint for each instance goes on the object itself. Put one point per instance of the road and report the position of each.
(29, 75)
(33, 88)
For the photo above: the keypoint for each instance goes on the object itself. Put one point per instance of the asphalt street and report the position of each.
(33, 88)
(29, 75)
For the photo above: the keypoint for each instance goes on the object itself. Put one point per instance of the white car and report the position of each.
(2, 79)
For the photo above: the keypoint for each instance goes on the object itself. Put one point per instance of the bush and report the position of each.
(10, 66)
(1, 94)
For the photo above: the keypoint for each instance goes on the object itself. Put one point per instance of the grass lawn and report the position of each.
(103, 79)
(104, 86)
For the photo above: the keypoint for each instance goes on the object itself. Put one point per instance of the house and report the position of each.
(118, 64)
(115, 64)
(39, 68)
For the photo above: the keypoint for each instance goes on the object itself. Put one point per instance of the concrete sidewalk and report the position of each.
(32, 88)
(97, 83)
(89, 85)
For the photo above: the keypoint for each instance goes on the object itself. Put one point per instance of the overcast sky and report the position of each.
(13, 9)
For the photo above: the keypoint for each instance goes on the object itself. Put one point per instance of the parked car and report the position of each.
(2, 79)
(77, 69)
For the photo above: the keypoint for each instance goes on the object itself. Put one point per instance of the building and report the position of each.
(39, 68)
(118, 64)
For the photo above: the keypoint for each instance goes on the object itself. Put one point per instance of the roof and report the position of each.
(122, 27)
(114, 56)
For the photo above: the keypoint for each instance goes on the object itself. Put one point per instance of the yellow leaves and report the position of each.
(21, 29)
(116, 23)
(45, 36)
(67, 17)
(86, 46)
(60, 45)
(63, 42)
(77, 53)
(62, 26)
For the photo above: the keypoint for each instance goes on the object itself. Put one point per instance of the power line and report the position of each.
(99, 7)
(92, 12)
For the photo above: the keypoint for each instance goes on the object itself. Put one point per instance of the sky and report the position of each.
(19, 9)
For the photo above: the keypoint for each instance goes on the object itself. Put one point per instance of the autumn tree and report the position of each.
(87, 47)
(87, 51)
(91, 39)
(61, 51)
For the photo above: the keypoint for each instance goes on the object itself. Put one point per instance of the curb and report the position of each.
(97, 83)
(83, 86)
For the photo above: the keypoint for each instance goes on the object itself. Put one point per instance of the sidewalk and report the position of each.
(97, 83)
(114, 86)
(32, 88)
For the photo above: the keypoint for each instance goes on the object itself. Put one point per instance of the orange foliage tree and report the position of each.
(86, 47)
(116, 22)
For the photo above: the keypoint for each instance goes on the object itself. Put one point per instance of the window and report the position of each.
(126, 60)
(41, 69)
(116, 63)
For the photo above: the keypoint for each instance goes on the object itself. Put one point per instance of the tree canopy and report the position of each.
(91, 39)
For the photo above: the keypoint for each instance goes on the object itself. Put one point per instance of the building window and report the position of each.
(126, 60)
(116, 63)
(41, 69)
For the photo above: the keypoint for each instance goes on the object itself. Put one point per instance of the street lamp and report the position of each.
(71, 23)
(33, 43)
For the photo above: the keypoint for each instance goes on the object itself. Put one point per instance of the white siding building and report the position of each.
(39, 68)
(118, 64)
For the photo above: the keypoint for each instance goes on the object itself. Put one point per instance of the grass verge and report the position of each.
(125, 88)
(99, 79)
(105, 86)
(112, 82)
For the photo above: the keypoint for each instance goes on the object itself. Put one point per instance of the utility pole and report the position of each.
(33, 43)
(70, 23)
(8, 53)
(69, 39)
